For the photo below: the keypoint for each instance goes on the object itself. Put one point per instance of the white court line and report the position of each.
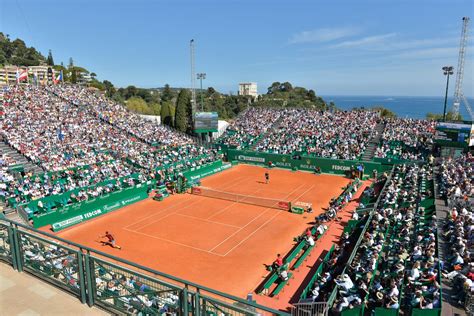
(165, 209)
(176, 212)
(156, 213)
(174, 242)
(262, 225)
(205, 220)
(252, 220)
(168, 215)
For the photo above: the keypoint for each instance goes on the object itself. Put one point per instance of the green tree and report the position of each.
(166, 113)
(138, 105)
(155, 108)
(50, 60)
(449, 116)
(167, 94)
(275, 87)
(384, 112)
(311, 95)
(73, 75)
(109, 88)
(181, 119)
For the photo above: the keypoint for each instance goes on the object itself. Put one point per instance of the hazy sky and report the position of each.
(363, 47)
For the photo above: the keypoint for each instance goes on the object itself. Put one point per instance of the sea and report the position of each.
(402, 106)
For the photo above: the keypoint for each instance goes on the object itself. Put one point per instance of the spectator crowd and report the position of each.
(80, 138)
(456, 178)
(406, 139)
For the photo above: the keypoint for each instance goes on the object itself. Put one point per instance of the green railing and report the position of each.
(117, 285)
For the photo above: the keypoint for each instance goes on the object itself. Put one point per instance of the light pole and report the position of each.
(447, 71)
(201, 76)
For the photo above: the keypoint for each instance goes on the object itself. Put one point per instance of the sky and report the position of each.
(338, 47)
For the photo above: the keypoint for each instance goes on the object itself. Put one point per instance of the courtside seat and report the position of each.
(273, 277)
(295, 252)
(281, 285)
(303, 257)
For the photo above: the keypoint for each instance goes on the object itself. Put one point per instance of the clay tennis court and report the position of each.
(214, 242)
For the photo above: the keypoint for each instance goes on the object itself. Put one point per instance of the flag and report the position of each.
(17, 75)
(35, 78)
(59, 78)
(6, 76)
(23, 76)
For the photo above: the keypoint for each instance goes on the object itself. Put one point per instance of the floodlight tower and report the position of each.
(458, 93)
(193, 76)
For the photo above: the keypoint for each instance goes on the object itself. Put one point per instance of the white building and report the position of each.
(8, 74)
(248, 88)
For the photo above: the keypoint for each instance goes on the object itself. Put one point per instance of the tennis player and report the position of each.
(111, 240)
(267, 177)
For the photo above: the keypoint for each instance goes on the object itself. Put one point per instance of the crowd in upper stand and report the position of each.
(406, 139)
(243, 132)
(456, 178)
(62, 127)
(117, 115)
(337, 135)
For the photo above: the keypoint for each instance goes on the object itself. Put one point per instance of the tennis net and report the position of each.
(241, 198)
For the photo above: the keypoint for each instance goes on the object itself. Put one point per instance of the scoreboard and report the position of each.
(205, 122)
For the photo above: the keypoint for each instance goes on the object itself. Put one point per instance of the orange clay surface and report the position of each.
(216, 243)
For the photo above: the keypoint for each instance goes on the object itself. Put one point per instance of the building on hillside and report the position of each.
(84, 78)
(8, 74)
(248, 88)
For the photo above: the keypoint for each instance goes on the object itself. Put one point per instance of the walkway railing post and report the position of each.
(197, 305)
(87, 268)
(184, 305)
(11, 241)
(16, 244)
(82, 284)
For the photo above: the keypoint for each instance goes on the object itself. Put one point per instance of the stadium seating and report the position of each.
(399, 237)
(85, 148)
(456, 187)
(406, 139)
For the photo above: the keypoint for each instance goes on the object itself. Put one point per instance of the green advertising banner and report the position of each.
(334, 166)
(79, 212)
(205, 170)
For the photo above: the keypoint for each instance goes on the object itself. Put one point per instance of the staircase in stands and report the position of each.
(271, 129)
(28, 167)
(369, 152)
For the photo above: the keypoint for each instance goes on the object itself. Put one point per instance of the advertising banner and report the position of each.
(334, 166)
(79, 212)
(206, 170)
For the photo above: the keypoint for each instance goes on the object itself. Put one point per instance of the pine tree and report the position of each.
(166, 117)
(167, 94)
(71, 63)
(73, 75)
(189, 116)
(181, 119)
(50, 59)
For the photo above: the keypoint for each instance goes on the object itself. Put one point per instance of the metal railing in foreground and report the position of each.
(114, 284)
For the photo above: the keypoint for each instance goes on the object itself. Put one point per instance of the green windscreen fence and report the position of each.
(334, 166)
(78, 212)
(200, 172)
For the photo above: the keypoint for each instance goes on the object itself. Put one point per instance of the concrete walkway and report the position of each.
(24, 294)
